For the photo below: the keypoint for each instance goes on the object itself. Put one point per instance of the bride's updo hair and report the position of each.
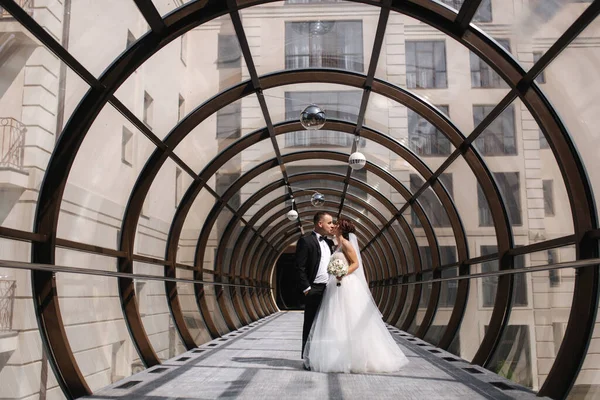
(346, 227)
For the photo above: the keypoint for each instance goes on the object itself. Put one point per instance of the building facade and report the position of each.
(38, 94)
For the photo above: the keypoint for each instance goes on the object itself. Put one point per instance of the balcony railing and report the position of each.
(26, 5)
(12, 140)
(7, 303)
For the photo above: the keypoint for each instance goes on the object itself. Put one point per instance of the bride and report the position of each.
(348, 334)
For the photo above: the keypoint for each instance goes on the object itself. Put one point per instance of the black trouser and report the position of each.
(312, 303)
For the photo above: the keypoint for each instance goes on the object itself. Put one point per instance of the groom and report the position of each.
(312, 257)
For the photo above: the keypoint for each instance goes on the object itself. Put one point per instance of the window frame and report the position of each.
(438, 136)
(347, 61)
(435, 84)
(485, 143)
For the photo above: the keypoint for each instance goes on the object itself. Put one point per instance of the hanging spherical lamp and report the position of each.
(292, 215)
(317, 199)
(312, 118)
(357, 160)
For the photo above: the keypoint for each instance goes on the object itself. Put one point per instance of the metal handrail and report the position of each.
(7, 303)
(113, 274)
(547, 267)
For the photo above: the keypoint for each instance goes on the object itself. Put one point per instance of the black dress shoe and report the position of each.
(306, 368)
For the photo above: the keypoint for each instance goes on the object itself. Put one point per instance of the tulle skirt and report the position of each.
(348, 334)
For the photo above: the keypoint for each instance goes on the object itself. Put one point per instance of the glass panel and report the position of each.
(482, 74)
(471, 332)
(340, 40)
(543, 185)
(93, 318)
(405, 244)
(154, 92)
(467, 197)
(219, 131)
(250, 188)
(23, 353)
(337, 101)
(407, 303)
(586, 386)
(538, 20)
(252, 212)
(34, 112)
(166, 6)
(159, 208)
(187, 300)
(550, 257)
(154, 310)
(423, 303)
(192, 227)
(407, 127)
(445, 308)
(208, 265)
(89, 23)
(227, 268)
(100, 182)
(529, 346)
(574, 99)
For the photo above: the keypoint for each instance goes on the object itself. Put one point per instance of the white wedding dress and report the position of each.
(348, 334)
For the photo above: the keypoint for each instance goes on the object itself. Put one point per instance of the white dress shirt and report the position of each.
(322, 276)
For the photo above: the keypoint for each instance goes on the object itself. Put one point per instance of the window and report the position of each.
(343, 105)
(324, 44)
(543, 141)
(183, 49)
(482, 75)
(127, 147)
(229, 121)
(509, 186)
(448, 291)
(180, 108)
(449, 288)
(429, 201)
(548, 197)
(553, 274)
(229, 52)
(490, 283)
(483, 14)
(148, 110)
(426, 64)
(447, 256)
(498, 139)
(130, 39)
(541, 78)
(178, 185)
(424, 138)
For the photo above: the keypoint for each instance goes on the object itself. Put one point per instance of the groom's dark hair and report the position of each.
(318, 216)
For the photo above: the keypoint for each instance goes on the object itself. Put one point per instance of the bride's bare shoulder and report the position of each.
(348, 248)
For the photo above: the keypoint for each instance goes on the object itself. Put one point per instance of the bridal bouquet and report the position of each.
(337, 268)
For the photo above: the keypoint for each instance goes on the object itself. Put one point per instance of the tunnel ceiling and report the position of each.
(246, 176)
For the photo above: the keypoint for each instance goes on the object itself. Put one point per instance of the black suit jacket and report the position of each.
(308, 256)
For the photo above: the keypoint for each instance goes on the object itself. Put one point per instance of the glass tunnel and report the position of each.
(151, 150)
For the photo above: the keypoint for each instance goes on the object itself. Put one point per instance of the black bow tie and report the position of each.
(322, 238)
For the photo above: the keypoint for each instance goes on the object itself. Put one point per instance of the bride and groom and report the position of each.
(343, 329)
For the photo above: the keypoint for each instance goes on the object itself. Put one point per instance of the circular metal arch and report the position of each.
(47, 310)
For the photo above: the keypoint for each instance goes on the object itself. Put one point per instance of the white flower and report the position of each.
(337, 267)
